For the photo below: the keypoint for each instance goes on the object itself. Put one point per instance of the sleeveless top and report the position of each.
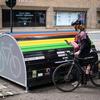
(84, 43)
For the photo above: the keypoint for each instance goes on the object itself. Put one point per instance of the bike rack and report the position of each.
(12, 64)
(35, 67)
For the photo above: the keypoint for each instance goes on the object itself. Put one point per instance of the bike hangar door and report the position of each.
(12, 64)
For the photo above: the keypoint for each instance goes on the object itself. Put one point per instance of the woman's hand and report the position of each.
(77, 53)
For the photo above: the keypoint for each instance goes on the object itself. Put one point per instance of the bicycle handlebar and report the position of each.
(71, 54)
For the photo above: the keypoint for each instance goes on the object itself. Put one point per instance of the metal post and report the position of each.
(11, 21)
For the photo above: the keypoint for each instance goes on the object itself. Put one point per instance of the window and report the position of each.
(24, 18)
(66, 18)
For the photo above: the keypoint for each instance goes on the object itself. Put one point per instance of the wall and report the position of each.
(66, 5)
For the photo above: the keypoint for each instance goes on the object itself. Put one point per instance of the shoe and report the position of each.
(75, 84)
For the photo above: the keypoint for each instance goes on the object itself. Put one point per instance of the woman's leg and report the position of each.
(88, 69)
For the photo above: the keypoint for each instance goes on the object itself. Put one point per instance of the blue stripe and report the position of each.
(42, 32)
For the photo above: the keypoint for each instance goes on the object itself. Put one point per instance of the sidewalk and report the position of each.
(95, 38)
(8, 88)
(93, 31)
(39, 29)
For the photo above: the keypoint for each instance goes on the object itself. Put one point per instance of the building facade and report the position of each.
(51, 14)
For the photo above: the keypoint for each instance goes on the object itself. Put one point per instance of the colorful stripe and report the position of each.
(45, 41)
(44, 47)
(18, 36)
(46, 44)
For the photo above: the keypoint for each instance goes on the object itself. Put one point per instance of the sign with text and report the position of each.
(24, 18)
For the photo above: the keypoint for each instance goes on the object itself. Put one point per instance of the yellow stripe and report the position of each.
(47, 41)
(30, 44)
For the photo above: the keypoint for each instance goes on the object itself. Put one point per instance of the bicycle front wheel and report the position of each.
(66, 77)
(95, 77)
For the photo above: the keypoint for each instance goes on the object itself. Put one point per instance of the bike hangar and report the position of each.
(30, 59)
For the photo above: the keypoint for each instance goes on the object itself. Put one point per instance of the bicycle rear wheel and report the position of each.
(66, 77)
(95, 77)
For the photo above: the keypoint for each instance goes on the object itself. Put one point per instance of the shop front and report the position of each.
(67, 18)
(24, 18)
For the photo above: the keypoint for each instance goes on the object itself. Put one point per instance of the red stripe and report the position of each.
(55, 34)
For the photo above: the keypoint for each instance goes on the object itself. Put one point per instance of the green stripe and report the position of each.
(44, 48)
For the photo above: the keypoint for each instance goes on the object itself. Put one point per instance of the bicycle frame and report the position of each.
(77, 64)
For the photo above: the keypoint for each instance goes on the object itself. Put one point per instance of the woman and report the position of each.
(84, 45)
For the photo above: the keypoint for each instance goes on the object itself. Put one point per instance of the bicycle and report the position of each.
(66, 74)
